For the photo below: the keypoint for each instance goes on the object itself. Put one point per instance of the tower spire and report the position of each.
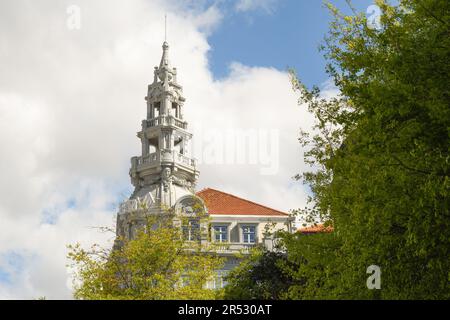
(165, 167)
(165, 27)
(164, 174)
(165, 56)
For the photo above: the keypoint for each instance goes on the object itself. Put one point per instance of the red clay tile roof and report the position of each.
(219, 202)
(316, 229)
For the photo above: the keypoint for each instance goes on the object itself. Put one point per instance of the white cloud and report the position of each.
(71, 102)
(251, 98)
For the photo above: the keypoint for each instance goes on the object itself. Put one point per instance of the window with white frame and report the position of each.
(191, 230)
(220, 233)
(249, 234)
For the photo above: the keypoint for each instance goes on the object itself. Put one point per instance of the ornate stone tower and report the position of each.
(163, 175)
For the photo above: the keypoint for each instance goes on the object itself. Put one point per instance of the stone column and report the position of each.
(149, 110)
(145, 145)
(172, 141)
(161, 144)
(167, 105)
(174, 74)
(155, 75)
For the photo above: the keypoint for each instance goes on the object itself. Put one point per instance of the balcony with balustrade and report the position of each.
(166, 120)
(234, 247)
(160, 157)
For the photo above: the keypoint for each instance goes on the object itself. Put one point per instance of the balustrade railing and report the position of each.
(234, 247)
(161, 156)
(166, 120)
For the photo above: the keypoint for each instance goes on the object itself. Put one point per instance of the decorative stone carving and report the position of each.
(145, 202)
(186, 206)
(151, 180)
(133, 205)
(134, 179)
(182, 182)
(166, 177)
(128, 206)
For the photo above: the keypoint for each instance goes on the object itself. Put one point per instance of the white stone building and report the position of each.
(165, 175)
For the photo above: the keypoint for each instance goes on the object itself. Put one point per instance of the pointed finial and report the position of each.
(165, 27)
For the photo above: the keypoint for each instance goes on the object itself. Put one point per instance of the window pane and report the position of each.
(249, 233)
(191, 230)
(221, 233)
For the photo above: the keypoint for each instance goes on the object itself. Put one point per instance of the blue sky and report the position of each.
(10, 262)
(286, 35)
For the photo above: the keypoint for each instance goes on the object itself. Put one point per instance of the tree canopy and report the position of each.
(159, 263)
(259, 277)
(381, 149)
(380, 161)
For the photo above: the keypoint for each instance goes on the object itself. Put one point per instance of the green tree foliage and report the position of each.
(380, 158)
(307, 268)
(159, 263)
(259, 276)
(312, 265)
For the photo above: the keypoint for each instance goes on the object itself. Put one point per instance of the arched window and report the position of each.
(156, 109)
(175, 109)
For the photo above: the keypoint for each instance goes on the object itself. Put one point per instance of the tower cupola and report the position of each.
(165, 170)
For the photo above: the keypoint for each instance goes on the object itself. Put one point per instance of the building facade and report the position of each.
(164, 177)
